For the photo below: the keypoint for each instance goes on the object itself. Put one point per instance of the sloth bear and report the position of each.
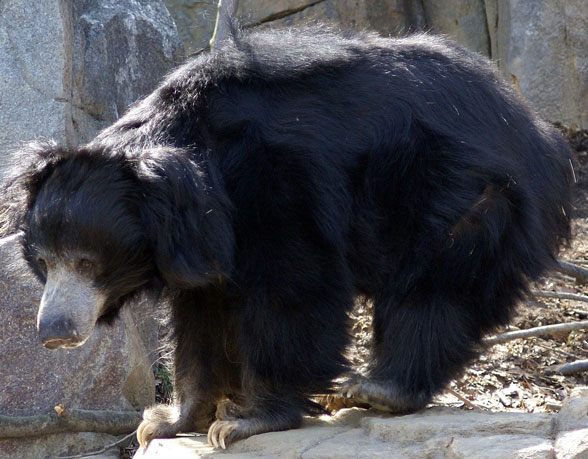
(262, 188)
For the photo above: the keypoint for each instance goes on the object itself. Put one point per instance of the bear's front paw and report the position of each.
(158, 422)
(145, 433)
(222, 433)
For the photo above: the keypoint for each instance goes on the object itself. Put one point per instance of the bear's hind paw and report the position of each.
(382, 396)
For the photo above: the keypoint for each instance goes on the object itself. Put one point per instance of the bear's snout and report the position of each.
(58, 331)
(69, 309)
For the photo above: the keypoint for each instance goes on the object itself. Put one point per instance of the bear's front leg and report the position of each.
(204, 367)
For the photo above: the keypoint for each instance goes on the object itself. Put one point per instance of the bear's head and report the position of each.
(98, 227)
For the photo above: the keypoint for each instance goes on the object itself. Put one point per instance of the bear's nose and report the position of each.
(57, 331)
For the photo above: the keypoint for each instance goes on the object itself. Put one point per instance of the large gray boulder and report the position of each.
(34, 92)
(120, 50)
(388, 17)
(195, 21)
(462, 20)
(70, 68)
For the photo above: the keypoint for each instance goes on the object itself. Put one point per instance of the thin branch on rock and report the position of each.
(570, 269)
(104, 449)
(568, 369)
(74, 420)
(536, 331)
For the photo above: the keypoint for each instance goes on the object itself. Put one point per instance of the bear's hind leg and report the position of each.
(420, 343)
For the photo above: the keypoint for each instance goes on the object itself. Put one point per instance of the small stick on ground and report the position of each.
(463, 399)
(561, 296)
(580, 262)
(559, 351)
(570, 269)
(569, 369)
(536, 331)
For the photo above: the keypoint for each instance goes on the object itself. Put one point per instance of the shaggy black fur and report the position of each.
(268, 185)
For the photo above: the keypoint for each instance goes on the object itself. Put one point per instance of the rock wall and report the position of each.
(68, 69)
(541, 46)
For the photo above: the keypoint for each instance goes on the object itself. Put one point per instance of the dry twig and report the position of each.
(568, 369)
(536, 331)
(570, 269)
(559, 351)
(560, 295)
(462, 398)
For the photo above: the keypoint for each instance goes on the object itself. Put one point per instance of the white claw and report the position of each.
(222, 443)
(140, 430)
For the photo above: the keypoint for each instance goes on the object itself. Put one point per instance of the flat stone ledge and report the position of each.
(438, 432)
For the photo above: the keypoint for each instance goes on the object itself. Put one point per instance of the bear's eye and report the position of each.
(42, 264)
(85, 265)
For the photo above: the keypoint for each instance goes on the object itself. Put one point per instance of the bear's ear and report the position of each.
(24, 172)
(187, 214)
